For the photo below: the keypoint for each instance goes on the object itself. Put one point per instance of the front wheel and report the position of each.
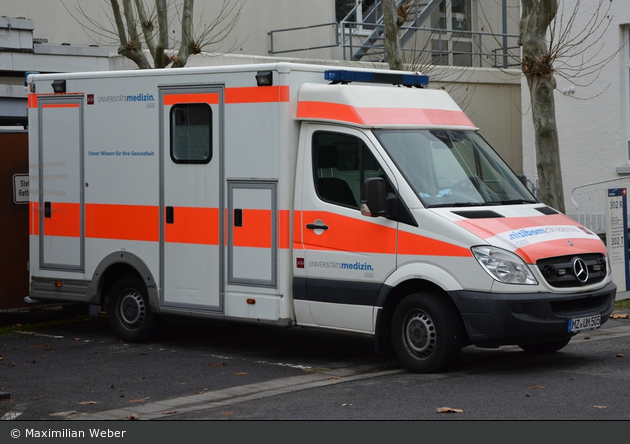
(128, 310)
(426, 333)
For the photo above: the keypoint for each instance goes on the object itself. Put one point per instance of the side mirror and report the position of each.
(374, 202)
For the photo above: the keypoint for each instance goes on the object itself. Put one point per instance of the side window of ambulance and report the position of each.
(340, 164)
(191, 133)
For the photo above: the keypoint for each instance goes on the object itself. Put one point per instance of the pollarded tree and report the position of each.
(394, 16)
(537, 65)
(138, 25)
(568, 47)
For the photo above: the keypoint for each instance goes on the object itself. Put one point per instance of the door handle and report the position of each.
(317, 226)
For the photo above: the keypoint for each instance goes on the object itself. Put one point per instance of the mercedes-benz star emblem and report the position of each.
(580, 270)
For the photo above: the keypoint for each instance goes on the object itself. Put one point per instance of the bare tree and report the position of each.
(139, 27)
(566, 47)
(537, 65)
(394, 17)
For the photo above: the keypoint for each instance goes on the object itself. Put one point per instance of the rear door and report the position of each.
(192, 211)
(61, 200)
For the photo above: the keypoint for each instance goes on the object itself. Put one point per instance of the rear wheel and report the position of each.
(545, 347)
(426, 333)
(128, 310)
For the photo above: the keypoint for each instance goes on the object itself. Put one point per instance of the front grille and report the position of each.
(570, 271)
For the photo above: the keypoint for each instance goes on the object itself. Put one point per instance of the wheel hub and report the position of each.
(420, 334)
(132, 309)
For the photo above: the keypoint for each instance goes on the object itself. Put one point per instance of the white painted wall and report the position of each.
(593, 119)
(258, 17)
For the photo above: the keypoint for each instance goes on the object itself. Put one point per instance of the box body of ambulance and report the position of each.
(298, 195)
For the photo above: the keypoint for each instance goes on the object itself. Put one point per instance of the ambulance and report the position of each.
(298, 195)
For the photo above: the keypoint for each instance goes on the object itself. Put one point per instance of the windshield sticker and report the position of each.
(526, 236)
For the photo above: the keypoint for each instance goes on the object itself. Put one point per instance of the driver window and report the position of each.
(341, 163)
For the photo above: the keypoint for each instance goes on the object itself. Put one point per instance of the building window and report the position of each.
(365, 12)
(452, 43)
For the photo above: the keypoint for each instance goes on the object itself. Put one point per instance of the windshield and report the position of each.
(453, 168)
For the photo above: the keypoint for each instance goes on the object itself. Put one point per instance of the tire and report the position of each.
(129, 314)
(545, 347)
(427, 334)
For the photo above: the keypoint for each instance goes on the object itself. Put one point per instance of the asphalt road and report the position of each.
(60, 366)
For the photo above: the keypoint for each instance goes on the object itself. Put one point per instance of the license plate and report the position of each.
(585, 323)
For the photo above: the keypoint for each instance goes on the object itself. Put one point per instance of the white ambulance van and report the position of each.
(298, 195)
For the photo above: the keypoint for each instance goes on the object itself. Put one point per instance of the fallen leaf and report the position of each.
(620, 355)
(536, 387)
(226, 413)
(217, 365)
(619, 316)
(170, 413)
(334, 377)
(600, 406)
(240, 373)
(76, 339)
(133, 417)
(448, 410)
(87, 402)
(139, 400)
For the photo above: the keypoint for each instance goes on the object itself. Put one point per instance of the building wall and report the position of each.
(592, 114)
(249, 36)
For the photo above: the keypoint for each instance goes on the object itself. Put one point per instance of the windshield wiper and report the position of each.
(458, 204)
(512, 202)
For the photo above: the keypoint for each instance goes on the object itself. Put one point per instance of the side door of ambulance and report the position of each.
(61, 198)
(192, 209)
(347, 256)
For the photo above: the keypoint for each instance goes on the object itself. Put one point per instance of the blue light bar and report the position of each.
(343, 76)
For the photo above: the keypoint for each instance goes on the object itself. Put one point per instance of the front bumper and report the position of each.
(495, 319)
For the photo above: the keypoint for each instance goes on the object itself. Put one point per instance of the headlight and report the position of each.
(503, 265)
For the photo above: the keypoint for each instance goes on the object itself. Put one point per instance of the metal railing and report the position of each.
(334, 25)
(438, 44)
(359, 39)
(590, 202)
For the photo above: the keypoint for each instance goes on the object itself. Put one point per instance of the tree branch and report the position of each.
(147, 30)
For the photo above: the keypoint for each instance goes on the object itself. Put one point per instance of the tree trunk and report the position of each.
(129, 47)
(186, 47)
(537, 67)
(393, 45)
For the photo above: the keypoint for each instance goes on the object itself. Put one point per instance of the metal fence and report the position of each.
(590, 202)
